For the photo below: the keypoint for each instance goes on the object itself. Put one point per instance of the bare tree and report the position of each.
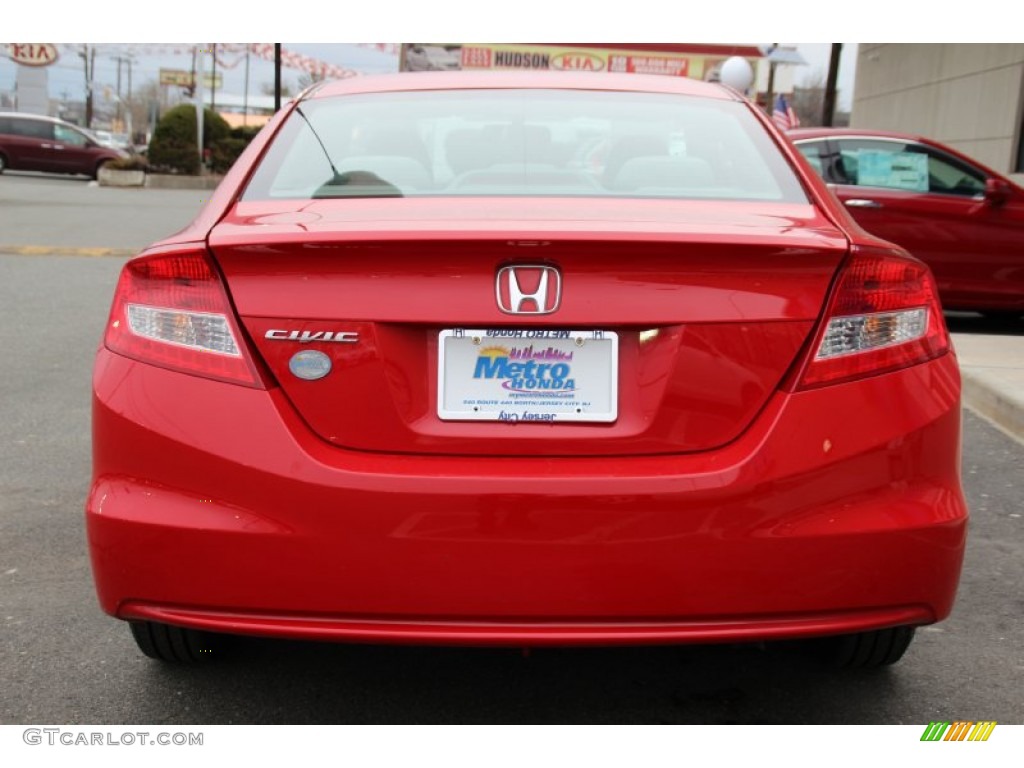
(267, 89)
(809, 100)
(147, 99)
(307, 79)
(809, 97)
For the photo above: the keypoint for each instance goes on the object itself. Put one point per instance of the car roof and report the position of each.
(477, 79)
(29, 115)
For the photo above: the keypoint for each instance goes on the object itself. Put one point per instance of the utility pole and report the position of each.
(770, 96)
(828, 111)
(277, 77)
(131, 135)
(88, 56)
(118, 59)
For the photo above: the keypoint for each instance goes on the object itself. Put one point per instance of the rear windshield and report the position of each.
(532, 143)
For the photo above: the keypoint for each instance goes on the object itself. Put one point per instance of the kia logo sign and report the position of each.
(586, 62)
(530, 289)
(32, 54)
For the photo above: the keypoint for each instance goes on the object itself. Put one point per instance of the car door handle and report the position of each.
(46, 146)
(58, 146)
(859, 202)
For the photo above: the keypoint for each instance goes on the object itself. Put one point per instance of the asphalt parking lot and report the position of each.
(63, 661)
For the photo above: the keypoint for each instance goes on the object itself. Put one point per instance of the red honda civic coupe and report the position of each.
(525, 359)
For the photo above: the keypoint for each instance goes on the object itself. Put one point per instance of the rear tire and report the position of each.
(3, 163)
(867, 650)
(174, 644)
(1002, 315)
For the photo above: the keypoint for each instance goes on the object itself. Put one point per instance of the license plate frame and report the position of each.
(573, 375)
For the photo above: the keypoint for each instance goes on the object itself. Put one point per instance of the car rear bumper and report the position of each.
(213, 506)
(480, 633)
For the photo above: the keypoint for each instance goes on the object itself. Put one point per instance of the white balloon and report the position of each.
(737, 72)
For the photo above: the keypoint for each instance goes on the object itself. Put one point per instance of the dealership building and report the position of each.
(970, 96)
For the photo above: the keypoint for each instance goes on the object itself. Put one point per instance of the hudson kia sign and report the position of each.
(32, 54)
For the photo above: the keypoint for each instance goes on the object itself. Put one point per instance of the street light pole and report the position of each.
(213, 83)
(245, 95)
(200, 106)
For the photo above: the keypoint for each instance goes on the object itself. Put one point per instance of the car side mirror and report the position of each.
(997, 192)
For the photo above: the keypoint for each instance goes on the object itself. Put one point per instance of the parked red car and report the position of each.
(40, 143)
(424, 370)
(962, 219)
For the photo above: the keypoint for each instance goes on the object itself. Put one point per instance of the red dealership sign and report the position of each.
(32, 54)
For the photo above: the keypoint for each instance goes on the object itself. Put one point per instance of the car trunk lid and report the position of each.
(710, 304)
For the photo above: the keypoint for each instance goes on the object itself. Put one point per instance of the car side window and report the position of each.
(33, 129)
(70, 136)
(812, 151)
(906, 166)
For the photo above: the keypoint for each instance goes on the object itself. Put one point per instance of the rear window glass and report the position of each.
(531, 143)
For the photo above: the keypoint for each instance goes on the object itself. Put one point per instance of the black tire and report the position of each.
(867, 650)
(3, 162)
(175, 644)
(1002, 315)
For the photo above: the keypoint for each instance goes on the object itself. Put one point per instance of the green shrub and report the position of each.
(225, 152)
(246, 132)
(173, 146)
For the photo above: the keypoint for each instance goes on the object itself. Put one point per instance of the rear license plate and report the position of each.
(529, 375)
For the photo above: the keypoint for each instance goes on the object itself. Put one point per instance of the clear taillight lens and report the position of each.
(198, 330)
(170, 309)
(863, 333)
(884, 314)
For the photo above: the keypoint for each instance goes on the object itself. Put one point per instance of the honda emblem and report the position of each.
(530, 289)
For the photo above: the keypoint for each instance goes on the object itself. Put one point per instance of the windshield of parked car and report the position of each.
(524, 142)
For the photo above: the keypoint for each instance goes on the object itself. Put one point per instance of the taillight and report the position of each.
(170, 309)
(884, 314)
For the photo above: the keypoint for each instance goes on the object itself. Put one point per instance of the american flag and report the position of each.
(783, 115)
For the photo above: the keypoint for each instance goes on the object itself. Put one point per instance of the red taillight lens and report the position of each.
(884, 314)
(171, 310)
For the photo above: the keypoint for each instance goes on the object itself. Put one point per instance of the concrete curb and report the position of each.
(170, 181)
(996, 398)
(992, 369)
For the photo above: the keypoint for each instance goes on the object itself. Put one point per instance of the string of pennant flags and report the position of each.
(230, 55)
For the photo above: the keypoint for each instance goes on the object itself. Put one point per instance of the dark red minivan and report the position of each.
(40, 143)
